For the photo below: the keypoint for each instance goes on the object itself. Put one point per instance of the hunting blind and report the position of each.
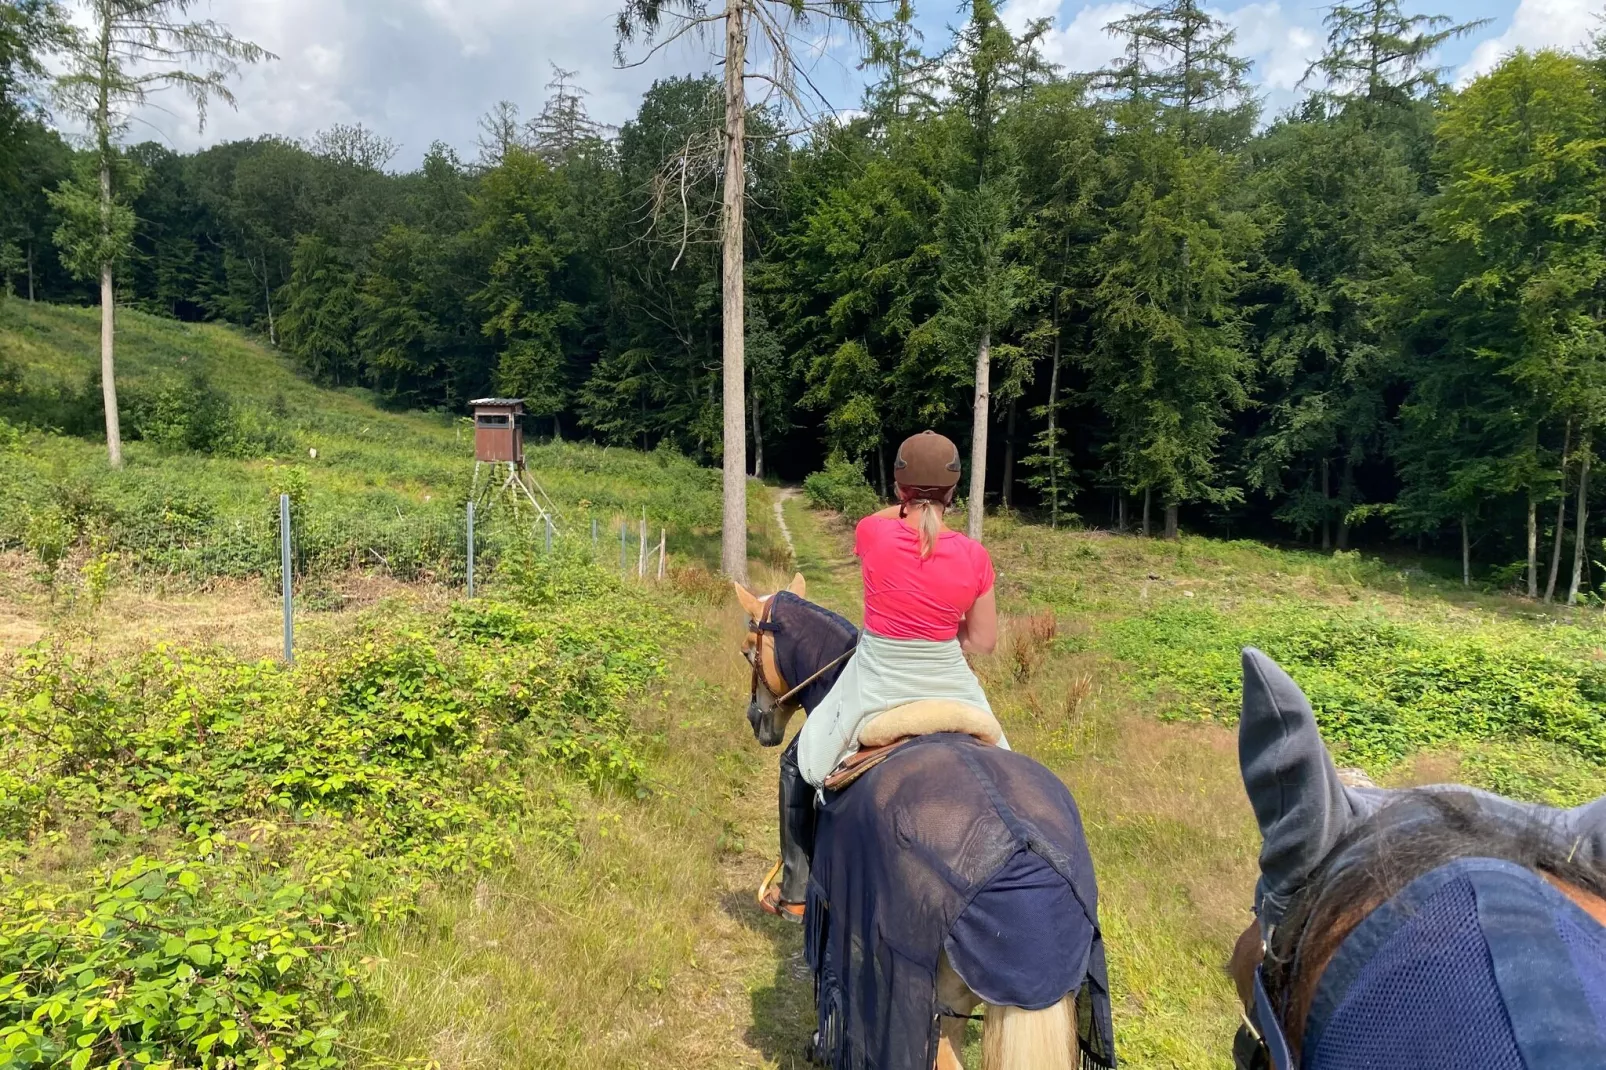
(499, 442)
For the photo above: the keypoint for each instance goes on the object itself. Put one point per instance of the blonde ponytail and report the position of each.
(930, 527)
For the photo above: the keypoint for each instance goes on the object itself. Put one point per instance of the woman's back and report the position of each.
(907, 596)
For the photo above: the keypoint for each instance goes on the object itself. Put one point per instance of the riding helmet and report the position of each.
(928, 462)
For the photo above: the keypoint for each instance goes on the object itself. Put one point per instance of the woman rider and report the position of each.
(928, 601)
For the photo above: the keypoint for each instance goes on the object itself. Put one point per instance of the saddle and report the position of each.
(886, 732)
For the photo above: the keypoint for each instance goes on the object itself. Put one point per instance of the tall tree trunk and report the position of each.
(1466, 553)
(1533, 547)
(267, 293)
(1561, 516)
(1327, 505)
(1148, 499)
(1171, 521)
(881, 465)
(108, 323)
(733, 539)
(1346, 487)
(30, 272)
(1120, 523)
(978, 436)
(758, 443)
(1581, 509)
(1053, 427)
(1008, 496)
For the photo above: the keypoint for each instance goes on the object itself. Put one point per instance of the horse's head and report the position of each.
(1379, 913)
(766, 711)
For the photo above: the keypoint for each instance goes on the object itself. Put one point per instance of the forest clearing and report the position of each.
(569, 880)
(384, 520)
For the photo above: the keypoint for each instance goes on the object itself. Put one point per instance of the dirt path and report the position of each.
(782, 496)
(641, 945)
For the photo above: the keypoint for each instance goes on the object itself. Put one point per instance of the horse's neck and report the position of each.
(822, 640)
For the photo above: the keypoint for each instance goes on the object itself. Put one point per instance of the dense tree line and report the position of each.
(1382, 308)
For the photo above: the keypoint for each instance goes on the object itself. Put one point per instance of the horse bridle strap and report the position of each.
(765, 624)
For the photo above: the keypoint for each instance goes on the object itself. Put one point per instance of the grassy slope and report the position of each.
(381, 500)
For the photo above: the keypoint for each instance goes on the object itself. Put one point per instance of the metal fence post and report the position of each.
(549, 534)
(471, 549)
(284, 568)
(624, 533)
(593, 533)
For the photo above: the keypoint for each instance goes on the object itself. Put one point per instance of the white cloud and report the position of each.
(1281, 48)
(1564, 24)
(1080, 44)
(413, 70)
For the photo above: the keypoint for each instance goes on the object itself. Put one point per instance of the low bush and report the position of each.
(841, 487)
(1381, 689)
(247, 819)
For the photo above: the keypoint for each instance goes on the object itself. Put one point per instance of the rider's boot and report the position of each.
(787, 889)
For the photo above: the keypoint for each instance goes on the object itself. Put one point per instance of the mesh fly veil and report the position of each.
(1479, 963)
(950, 845)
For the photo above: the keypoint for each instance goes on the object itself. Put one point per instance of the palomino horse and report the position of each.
(951, 875)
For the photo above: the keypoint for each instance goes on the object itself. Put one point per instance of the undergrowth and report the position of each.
(1383, 689)
(842, 487)
(219, 426)
(194, 841)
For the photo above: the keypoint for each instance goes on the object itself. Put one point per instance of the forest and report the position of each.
(1376, 317)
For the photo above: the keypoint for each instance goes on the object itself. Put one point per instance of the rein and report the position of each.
(759, 628)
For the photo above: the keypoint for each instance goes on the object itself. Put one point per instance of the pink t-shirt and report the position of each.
(907, 597)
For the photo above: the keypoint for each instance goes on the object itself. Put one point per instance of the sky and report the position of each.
(418, 71)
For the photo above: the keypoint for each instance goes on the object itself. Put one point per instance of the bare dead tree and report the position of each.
(766, 42)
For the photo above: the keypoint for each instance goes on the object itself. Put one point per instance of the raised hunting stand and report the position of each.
(499, 442)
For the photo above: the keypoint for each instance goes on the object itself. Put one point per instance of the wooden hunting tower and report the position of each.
(498, 438)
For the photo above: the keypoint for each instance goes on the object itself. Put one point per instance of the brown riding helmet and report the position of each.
(927, 467)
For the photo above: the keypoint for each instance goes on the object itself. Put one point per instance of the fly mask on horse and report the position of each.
(1436, 927)
(951, 877)
(795, 672)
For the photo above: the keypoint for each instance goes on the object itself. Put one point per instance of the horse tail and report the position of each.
(1017, 1039)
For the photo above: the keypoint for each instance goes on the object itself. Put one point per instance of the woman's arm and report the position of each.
(978, 632)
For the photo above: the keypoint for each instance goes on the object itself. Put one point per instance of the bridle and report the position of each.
(787, 701)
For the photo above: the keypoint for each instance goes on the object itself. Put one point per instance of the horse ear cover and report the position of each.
(1301, 806)
(1304, 810)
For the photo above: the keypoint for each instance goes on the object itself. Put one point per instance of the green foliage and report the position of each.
(249, 819)
(91, 236)
(841, 486)
(1381, 689)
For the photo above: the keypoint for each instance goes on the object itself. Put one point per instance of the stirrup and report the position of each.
(769, 897)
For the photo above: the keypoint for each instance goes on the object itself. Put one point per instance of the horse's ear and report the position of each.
(1588, 827)
(1299, 802)
(750, 602)
(799, 586)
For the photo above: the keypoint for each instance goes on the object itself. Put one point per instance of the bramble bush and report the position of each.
(250, 818)
(1381, 689)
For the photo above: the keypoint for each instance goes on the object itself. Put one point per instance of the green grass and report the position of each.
(374, 489)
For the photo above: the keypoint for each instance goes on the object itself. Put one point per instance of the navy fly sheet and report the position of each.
(953, 845)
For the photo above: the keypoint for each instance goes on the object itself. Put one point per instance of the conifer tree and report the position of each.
(775, 22)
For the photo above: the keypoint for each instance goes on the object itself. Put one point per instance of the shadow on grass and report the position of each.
(783, 1005)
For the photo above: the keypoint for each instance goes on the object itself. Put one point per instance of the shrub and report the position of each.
(1381, 689)
(843, 488)
(251, 818)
